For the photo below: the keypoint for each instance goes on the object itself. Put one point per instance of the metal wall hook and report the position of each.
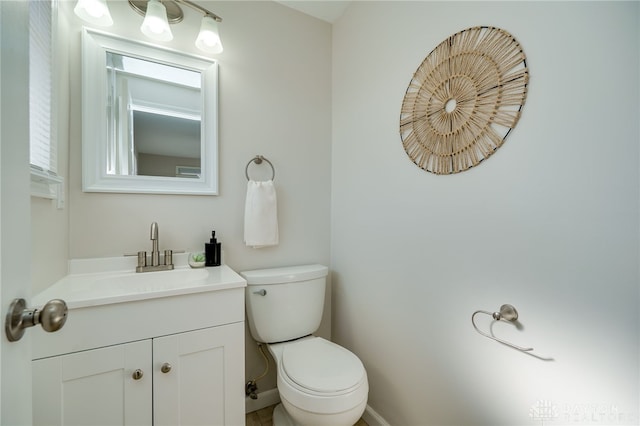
(507, 313)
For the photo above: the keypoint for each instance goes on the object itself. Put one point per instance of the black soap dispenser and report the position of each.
(212, 251)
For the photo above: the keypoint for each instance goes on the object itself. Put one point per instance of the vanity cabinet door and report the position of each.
(199, 377)
(95, 387)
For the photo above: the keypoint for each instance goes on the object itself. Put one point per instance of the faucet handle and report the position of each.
(142, 259)
(168, 257)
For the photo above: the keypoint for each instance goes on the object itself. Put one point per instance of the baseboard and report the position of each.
(373, 418)
(265, 399)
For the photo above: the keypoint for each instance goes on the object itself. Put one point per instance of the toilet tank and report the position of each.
(284, 303)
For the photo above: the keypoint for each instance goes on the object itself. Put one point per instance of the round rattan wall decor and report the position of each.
(464, 100)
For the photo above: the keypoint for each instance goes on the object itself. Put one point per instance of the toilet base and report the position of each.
(281, 417)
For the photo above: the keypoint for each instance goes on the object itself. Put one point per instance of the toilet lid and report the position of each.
(321, 366)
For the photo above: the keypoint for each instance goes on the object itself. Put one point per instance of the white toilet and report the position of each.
(320, 382)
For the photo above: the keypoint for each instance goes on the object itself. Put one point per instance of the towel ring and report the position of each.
(258, 160)
(507, 313)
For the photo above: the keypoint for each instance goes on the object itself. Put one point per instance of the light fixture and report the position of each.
(94, 11)
(155, 24)
(158, 15)
(208, 39)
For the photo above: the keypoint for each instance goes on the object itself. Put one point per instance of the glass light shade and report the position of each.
(155, 24)
(208, 39)
(94, 11)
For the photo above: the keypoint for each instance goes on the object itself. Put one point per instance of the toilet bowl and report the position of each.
(320, 382)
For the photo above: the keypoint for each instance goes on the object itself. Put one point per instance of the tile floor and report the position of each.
(263, 418)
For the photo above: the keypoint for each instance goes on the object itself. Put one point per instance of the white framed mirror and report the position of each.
(149, 118)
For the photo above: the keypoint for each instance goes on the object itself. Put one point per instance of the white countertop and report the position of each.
(94, 282)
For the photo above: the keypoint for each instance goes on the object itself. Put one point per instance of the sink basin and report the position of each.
(150, 281)
(84, 288)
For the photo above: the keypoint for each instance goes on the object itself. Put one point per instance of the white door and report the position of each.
(106, 386)
(196, 375)
(15, 237)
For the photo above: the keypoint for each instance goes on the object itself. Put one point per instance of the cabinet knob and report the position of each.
(166, 367)
(137, 375)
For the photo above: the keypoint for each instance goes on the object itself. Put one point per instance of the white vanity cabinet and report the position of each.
(202, 391)
(170, 380)
(169, 359)
(94, 387)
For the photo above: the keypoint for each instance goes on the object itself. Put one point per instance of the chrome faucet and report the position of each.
(155, 255)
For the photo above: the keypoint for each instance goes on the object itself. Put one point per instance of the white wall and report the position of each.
(548, 224)
(274, 100)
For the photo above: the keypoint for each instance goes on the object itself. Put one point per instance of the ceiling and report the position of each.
(327, 10)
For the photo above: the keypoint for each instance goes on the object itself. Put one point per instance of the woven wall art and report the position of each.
(464, 100)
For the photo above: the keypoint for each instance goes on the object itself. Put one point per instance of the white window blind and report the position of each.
(43, 149)
(42, 129)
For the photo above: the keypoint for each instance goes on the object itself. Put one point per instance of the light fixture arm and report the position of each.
(158, 16)
(200, 9)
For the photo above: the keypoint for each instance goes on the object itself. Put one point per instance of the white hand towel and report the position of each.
(261, 214)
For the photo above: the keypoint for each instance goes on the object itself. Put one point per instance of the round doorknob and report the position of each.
(166, 367)
(52, 317)
(137, 374)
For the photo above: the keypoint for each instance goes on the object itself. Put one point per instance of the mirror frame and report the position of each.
(95, 45)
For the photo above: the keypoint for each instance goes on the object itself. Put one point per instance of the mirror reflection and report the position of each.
(149, 118)
(155, 115)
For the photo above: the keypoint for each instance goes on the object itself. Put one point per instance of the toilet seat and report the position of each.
(320, 366)
(331, 380)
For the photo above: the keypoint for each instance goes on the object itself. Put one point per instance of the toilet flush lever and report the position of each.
(261, 292)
